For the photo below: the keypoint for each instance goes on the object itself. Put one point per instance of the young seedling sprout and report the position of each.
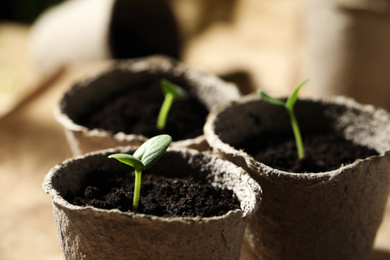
(143, 158)
(289, 105)
(172, 92)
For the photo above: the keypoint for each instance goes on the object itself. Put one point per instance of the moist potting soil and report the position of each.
(160, 195)
(323, 151)
(136, 110)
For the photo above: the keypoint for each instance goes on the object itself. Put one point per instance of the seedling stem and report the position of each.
(172, 92)
(289, 105)
(164, 111)
(137, 190)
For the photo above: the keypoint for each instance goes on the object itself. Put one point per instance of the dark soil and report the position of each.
(160, 196)
(323, 152)
(136, 112)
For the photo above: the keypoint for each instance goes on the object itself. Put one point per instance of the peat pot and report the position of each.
(311, 215)
(346, 49)
(87, 232)
(90, 94)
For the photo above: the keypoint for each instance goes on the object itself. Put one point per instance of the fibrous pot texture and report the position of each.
(338, 60)
(325, 215)
(91, 93)
(87, 232)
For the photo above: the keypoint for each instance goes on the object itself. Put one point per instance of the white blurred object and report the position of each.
(73, 31)
(348, 49)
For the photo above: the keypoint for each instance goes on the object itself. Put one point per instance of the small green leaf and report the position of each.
(294, 96)
(172, 92)
(270, 99)
(129, 160)
(173, 89)
(150, 151)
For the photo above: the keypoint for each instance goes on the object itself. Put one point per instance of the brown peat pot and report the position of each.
(88, 232)
(329, 214)
(132, 87)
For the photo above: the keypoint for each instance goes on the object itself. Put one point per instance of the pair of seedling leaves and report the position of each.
(143, 158)
(150, 151)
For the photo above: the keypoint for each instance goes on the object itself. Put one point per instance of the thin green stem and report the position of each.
(164, 111)
(297, 134)
(137, 190)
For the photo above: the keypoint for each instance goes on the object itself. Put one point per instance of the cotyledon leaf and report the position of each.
(128, 159)
(150, 151)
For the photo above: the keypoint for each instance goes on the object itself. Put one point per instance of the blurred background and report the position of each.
(341, 46)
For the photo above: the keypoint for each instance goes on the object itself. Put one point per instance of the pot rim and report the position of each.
(48, 188)
(119, 137)
(275, 174)
(159, 63)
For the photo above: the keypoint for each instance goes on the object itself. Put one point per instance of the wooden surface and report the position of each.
(18, 80)
(31, 141)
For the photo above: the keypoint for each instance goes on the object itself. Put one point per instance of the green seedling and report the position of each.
(171, 92)
(289, 105)
(143, 158)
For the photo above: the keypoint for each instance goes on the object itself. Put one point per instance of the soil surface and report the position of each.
(323, 152)
(160, 196)
(136, 112)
